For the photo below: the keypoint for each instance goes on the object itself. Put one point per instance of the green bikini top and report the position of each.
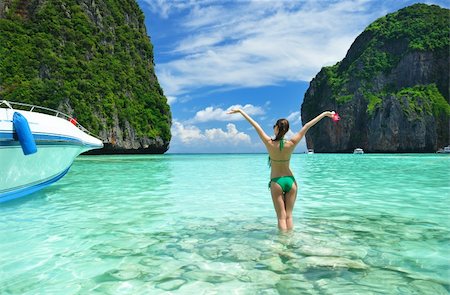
(281, 148)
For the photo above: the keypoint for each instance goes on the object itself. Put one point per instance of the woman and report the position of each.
(283, 186)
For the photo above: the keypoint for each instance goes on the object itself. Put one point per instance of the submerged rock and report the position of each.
(171, 284)
(209, 276)
(118, 275)
(334, 262)
(124, 274)
(241, 252)
(327, 251)
(288, 287)
(263, 277)
(427, 287)
(273, 264)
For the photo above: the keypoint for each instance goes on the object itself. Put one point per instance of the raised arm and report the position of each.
(264, 137)
(298, 136)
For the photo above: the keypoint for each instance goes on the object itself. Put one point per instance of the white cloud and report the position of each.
(301, 147)
(231, 136)
(294, 118)
(219, 114)
(171, 100)
(166, 7)
(289, 134)
(160, 7)
(257, 43)
(192, 135)
(189, 138)
(210, 114)
(185, 134)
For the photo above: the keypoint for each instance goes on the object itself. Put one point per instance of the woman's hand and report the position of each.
(329, 114)
(234, 111)
(333, 115)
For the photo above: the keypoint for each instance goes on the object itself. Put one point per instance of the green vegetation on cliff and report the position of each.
(425, 27)
(422, 99)
(378, 50)
(374, 101)
(418, 100)
(92, 59)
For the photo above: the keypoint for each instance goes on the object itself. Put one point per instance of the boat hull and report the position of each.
(27, 174)
(58, 143)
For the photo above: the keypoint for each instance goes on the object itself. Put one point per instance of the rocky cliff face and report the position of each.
(391, 89)
(91, 59)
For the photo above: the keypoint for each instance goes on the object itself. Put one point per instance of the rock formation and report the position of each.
(91, 59)
(391, 89)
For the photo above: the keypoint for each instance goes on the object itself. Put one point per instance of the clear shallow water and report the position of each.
(205, 224)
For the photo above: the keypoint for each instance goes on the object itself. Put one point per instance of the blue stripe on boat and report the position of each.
(17, 193)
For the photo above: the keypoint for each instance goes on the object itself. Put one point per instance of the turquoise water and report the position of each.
(205, 224)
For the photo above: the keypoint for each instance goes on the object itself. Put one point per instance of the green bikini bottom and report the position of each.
(285, 182)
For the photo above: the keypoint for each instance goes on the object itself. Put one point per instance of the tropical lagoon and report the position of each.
(205, 224)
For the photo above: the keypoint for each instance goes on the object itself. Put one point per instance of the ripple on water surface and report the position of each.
(193, 224)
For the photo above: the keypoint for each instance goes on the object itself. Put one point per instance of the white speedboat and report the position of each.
(57, 138)
(445, 150)
(358, 151)
(310, 151)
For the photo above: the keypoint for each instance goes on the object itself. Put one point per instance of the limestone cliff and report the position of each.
(91, 59)
(391, 89)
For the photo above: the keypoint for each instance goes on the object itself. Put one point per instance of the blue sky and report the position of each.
(211, 55)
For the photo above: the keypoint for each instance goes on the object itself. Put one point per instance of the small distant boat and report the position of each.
(310, 151)
(358, 151)
(445, 150)
(38, 148)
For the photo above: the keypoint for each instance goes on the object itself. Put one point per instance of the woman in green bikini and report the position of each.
(282, 184)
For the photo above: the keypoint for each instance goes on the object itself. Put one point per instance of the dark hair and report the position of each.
(283, 128)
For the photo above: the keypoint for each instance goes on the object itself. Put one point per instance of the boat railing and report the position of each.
(43, 110)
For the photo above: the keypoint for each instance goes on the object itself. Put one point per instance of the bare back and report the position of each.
(283, 197)
(280, 159)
